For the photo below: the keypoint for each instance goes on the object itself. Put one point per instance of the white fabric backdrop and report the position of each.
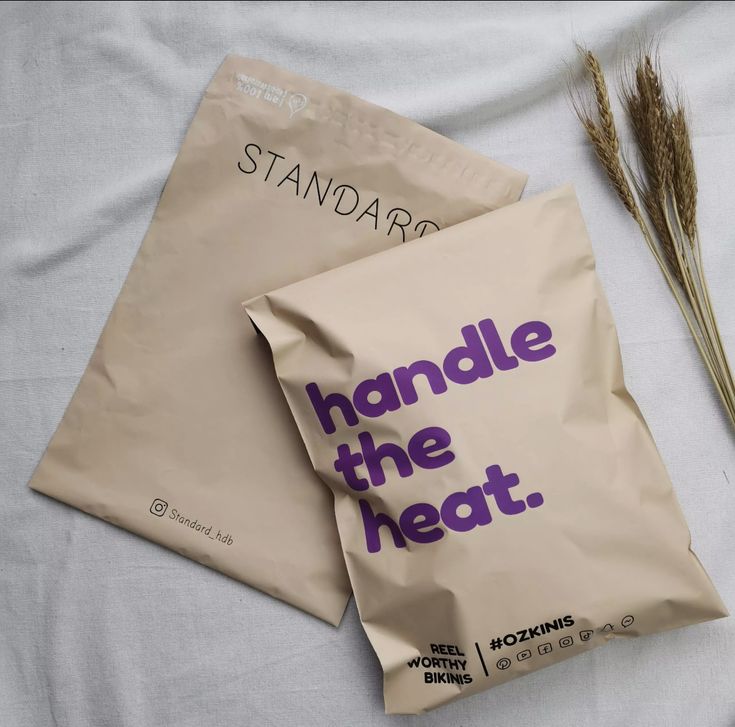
(101, 628)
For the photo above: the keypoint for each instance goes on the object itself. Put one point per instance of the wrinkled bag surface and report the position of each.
(500, 501)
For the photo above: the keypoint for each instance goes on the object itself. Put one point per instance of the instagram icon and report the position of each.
(159, 507)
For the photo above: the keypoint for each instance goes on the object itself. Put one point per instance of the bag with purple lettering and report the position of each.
(500, 502)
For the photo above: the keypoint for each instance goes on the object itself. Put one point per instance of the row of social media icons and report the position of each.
(564, 642)
(546, 648)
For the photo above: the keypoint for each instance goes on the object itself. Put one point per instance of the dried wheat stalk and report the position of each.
(660, 194)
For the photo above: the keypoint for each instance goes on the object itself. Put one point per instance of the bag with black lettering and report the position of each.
(177, 430)
(500, 501)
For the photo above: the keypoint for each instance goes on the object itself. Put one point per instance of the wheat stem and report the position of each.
(712, 358)
(708, 301)
(699, 295)
(696, 335)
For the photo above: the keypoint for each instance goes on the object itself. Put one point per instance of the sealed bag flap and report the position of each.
(500, 501)
(177, 430)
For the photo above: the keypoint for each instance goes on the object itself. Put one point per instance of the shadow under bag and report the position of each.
(499, 498)
(177, 430)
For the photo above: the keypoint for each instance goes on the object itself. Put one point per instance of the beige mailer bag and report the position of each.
(177, 430)
(500, 501)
